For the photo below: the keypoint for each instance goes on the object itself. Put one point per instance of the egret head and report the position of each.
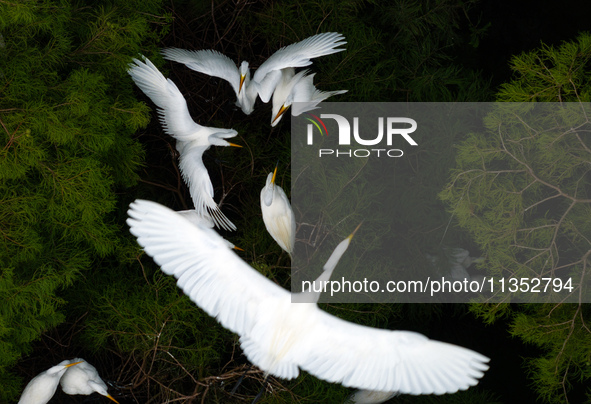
(282, 109)
(244, 75)
(62, 366)
(99, 388)
(267, 194)
(218, 137)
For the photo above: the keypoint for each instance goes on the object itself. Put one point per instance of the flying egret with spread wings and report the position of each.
(42, 387)
(84, 379)
(192, 139)
(267, 76)
(277, 214)
(280, 336)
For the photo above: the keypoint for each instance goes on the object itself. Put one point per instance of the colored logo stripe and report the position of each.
(316, 123)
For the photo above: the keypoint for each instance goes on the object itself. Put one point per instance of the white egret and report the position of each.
(277, 214)
(215, 64)
(456, 263)
(84, 379)
(192, 139)
(267, 76)
(279, 336)
(42, 387)
(299, 90)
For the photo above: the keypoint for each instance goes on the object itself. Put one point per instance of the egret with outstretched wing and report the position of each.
(281, 337)
(267, 76)
(192, 139)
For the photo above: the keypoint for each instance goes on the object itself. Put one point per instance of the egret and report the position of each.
(215, 64)
(84, 379)
(192, 139)
(458, 260)
(267, 76)
(299, 90)
(42, 387)
(277, 214)
(281, 337)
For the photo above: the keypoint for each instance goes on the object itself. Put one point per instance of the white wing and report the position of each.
(385, 360)
(208, 62)
(213, 277)
(198, 220)
(279, 335)
(306, 96)
(173, 111)
(294, 55)
(197, 179)
(369, 397)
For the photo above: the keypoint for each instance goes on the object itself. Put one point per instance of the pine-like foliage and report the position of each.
(522, 188)
(67, 117)
(396, 51)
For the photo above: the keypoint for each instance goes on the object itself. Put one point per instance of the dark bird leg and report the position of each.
(240, 379)
(260, 393)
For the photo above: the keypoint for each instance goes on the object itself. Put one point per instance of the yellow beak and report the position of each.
(111, 398)
(241, 83)
(274, 175)
(354, 231)
(281, 112)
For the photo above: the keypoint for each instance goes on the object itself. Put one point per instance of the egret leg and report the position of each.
(240, 379)
(260, 393)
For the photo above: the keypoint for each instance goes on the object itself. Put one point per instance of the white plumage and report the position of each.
(267, 76)
(83, 379)
(298, 92)
(42, 387)
(192, 139)
(204, 221)
(369, 397)
(282, 337)
(277, 214)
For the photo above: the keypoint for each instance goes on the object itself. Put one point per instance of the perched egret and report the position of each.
(277, 214)
(42, 387)
(84, 379)
(279, 336)
(267, 76)
(454, 262)
(192, 139)
(299, 89)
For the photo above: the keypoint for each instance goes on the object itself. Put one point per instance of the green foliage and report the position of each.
(551, 74)
(157, 329)
(521, 188)
(396, 50)
(67, 116)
